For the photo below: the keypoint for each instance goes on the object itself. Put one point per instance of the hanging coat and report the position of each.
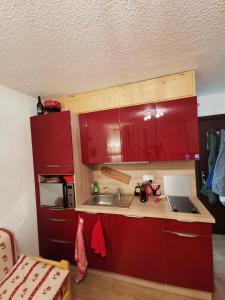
(218, 182)
(213, 147)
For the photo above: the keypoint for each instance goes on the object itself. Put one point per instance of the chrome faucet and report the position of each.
(106, 187)
(118, 192)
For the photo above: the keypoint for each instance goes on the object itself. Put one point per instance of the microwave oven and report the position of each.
(58, 195)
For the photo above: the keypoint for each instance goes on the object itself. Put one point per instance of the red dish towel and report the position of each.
(80, 254)
(98, 241)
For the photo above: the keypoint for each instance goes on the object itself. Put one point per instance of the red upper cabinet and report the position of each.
(100, 136)
(138, 133)
(161, 131)
(177, 129)
(52, 143)
(137, 247)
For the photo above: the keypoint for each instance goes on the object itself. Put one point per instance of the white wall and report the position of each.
(17, 200)
(211, 105)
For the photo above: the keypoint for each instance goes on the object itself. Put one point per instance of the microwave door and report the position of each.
(51, 194)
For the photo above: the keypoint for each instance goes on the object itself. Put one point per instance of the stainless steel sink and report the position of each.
(110, 200)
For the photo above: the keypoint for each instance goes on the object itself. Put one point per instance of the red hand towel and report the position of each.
(80, 254)
(98, 241)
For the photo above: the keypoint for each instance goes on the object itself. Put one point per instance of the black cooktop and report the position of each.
(182, 205)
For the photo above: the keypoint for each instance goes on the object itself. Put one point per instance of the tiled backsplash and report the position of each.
(136, 171)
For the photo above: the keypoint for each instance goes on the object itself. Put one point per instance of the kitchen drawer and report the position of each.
(188, 227)
(60, 249)
(68, 214)
(62, 229)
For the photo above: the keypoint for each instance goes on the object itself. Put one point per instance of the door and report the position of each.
(95, 260)
(138, 133)
(218, 210)
(177, 129)
(189, 261)
(100, 136)
(137, 247)
(52, 143)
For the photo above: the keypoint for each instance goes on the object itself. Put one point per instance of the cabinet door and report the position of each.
(189, 261)
(52, 143)
(137, 247)
(138, 133)
(100, 136)
(177, 129)
(95, 260)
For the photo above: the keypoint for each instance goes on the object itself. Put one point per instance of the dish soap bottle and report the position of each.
(95, 188)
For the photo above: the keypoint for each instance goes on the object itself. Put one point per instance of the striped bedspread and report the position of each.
(7, 251)
(29, 279)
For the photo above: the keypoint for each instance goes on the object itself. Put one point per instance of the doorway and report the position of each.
(216, 122)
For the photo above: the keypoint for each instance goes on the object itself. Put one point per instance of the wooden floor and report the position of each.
(96, 287)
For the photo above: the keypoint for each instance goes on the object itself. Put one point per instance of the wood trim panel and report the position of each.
(83, 175)
(169, 87)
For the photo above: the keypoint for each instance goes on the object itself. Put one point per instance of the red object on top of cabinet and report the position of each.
(100, 136)
(177, 129)
(138, 133)
(52, 143)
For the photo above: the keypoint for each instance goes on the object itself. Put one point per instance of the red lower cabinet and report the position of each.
(137, 247)
(189, 260)
(57, 233)
(95, 260)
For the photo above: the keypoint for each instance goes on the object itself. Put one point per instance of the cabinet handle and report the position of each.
(185, 221)
(60, 220)
(124, 162)
(60, 241)
(133, 216)
(188, 235)
(59, 166)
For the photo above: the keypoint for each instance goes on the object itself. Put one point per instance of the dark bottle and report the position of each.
(40, 107)
(143, 197)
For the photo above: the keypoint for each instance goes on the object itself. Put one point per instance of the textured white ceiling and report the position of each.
(58, 47)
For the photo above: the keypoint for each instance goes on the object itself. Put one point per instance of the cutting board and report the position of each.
(116, 175)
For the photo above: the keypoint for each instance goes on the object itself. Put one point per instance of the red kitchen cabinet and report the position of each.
(137, 247)
(189, 260)
(166, 130)
(52, 143)
(177, 129)
(95, 260)
(57, 233)
(100, 136)
(138, 133)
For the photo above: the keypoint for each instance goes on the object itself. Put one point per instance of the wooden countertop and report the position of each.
(154, 210)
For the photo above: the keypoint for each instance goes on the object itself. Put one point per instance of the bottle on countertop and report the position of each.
(95, 188)
(143, 196)
(40, 107)
(137, 190)
(148, 188)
